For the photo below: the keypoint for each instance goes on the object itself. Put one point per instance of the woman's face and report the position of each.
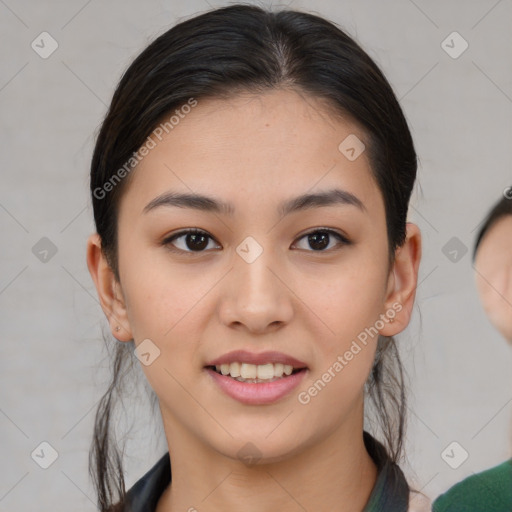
(493, 265)
(252, 280)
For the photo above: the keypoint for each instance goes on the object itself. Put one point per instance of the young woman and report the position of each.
(490, 490)
(250, 186)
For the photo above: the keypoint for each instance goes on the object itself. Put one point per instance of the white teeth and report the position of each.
(265, 371)
(234, 369)
(243, 371)
(248, 371)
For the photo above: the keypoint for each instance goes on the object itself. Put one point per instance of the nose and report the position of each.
(256, 296)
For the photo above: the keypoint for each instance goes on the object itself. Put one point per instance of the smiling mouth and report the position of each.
(251, 373)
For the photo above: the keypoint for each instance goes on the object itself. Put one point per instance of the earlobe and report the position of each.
(109, 290)
(402, 283)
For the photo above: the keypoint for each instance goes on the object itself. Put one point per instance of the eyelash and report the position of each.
(167, 242)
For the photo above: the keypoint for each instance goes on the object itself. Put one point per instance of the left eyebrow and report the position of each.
(209, 204)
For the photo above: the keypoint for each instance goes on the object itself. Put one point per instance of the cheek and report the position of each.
(343, 309)
(346, 298)
(167, 307)
(349, 307)
(159, 294)
(161, 304)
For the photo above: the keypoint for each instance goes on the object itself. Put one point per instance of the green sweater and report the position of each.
(488, 491)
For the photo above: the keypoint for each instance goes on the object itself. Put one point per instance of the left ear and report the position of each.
(402, 283)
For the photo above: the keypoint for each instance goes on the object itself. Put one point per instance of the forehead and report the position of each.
(272, 145)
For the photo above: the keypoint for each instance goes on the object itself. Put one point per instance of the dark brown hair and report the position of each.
(502, 208)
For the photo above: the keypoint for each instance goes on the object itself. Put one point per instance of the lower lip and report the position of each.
(251, 393)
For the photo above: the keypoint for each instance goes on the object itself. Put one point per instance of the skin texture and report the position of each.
(256, 151)
(493, 266)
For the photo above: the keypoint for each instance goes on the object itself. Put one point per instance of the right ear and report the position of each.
(109, 290)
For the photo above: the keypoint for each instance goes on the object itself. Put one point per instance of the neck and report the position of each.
(335, 473)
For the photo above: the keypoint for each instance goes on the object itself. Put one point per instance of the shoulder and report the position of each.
(488, 491)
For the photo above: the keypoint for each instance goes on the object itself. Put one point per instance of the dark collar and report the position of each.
(390, 493)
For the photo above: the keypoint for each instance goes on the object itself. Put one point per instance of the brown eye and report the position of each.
(319, 239)
(192, 240)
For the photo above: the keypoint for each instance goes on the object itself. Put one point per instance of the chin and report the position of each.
(258, 449)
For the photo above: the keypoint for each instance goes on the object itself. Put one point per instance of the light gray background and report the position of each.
(54, 367)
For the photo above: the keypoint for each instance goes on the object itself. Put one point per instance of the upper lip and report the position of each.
(243, 356)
